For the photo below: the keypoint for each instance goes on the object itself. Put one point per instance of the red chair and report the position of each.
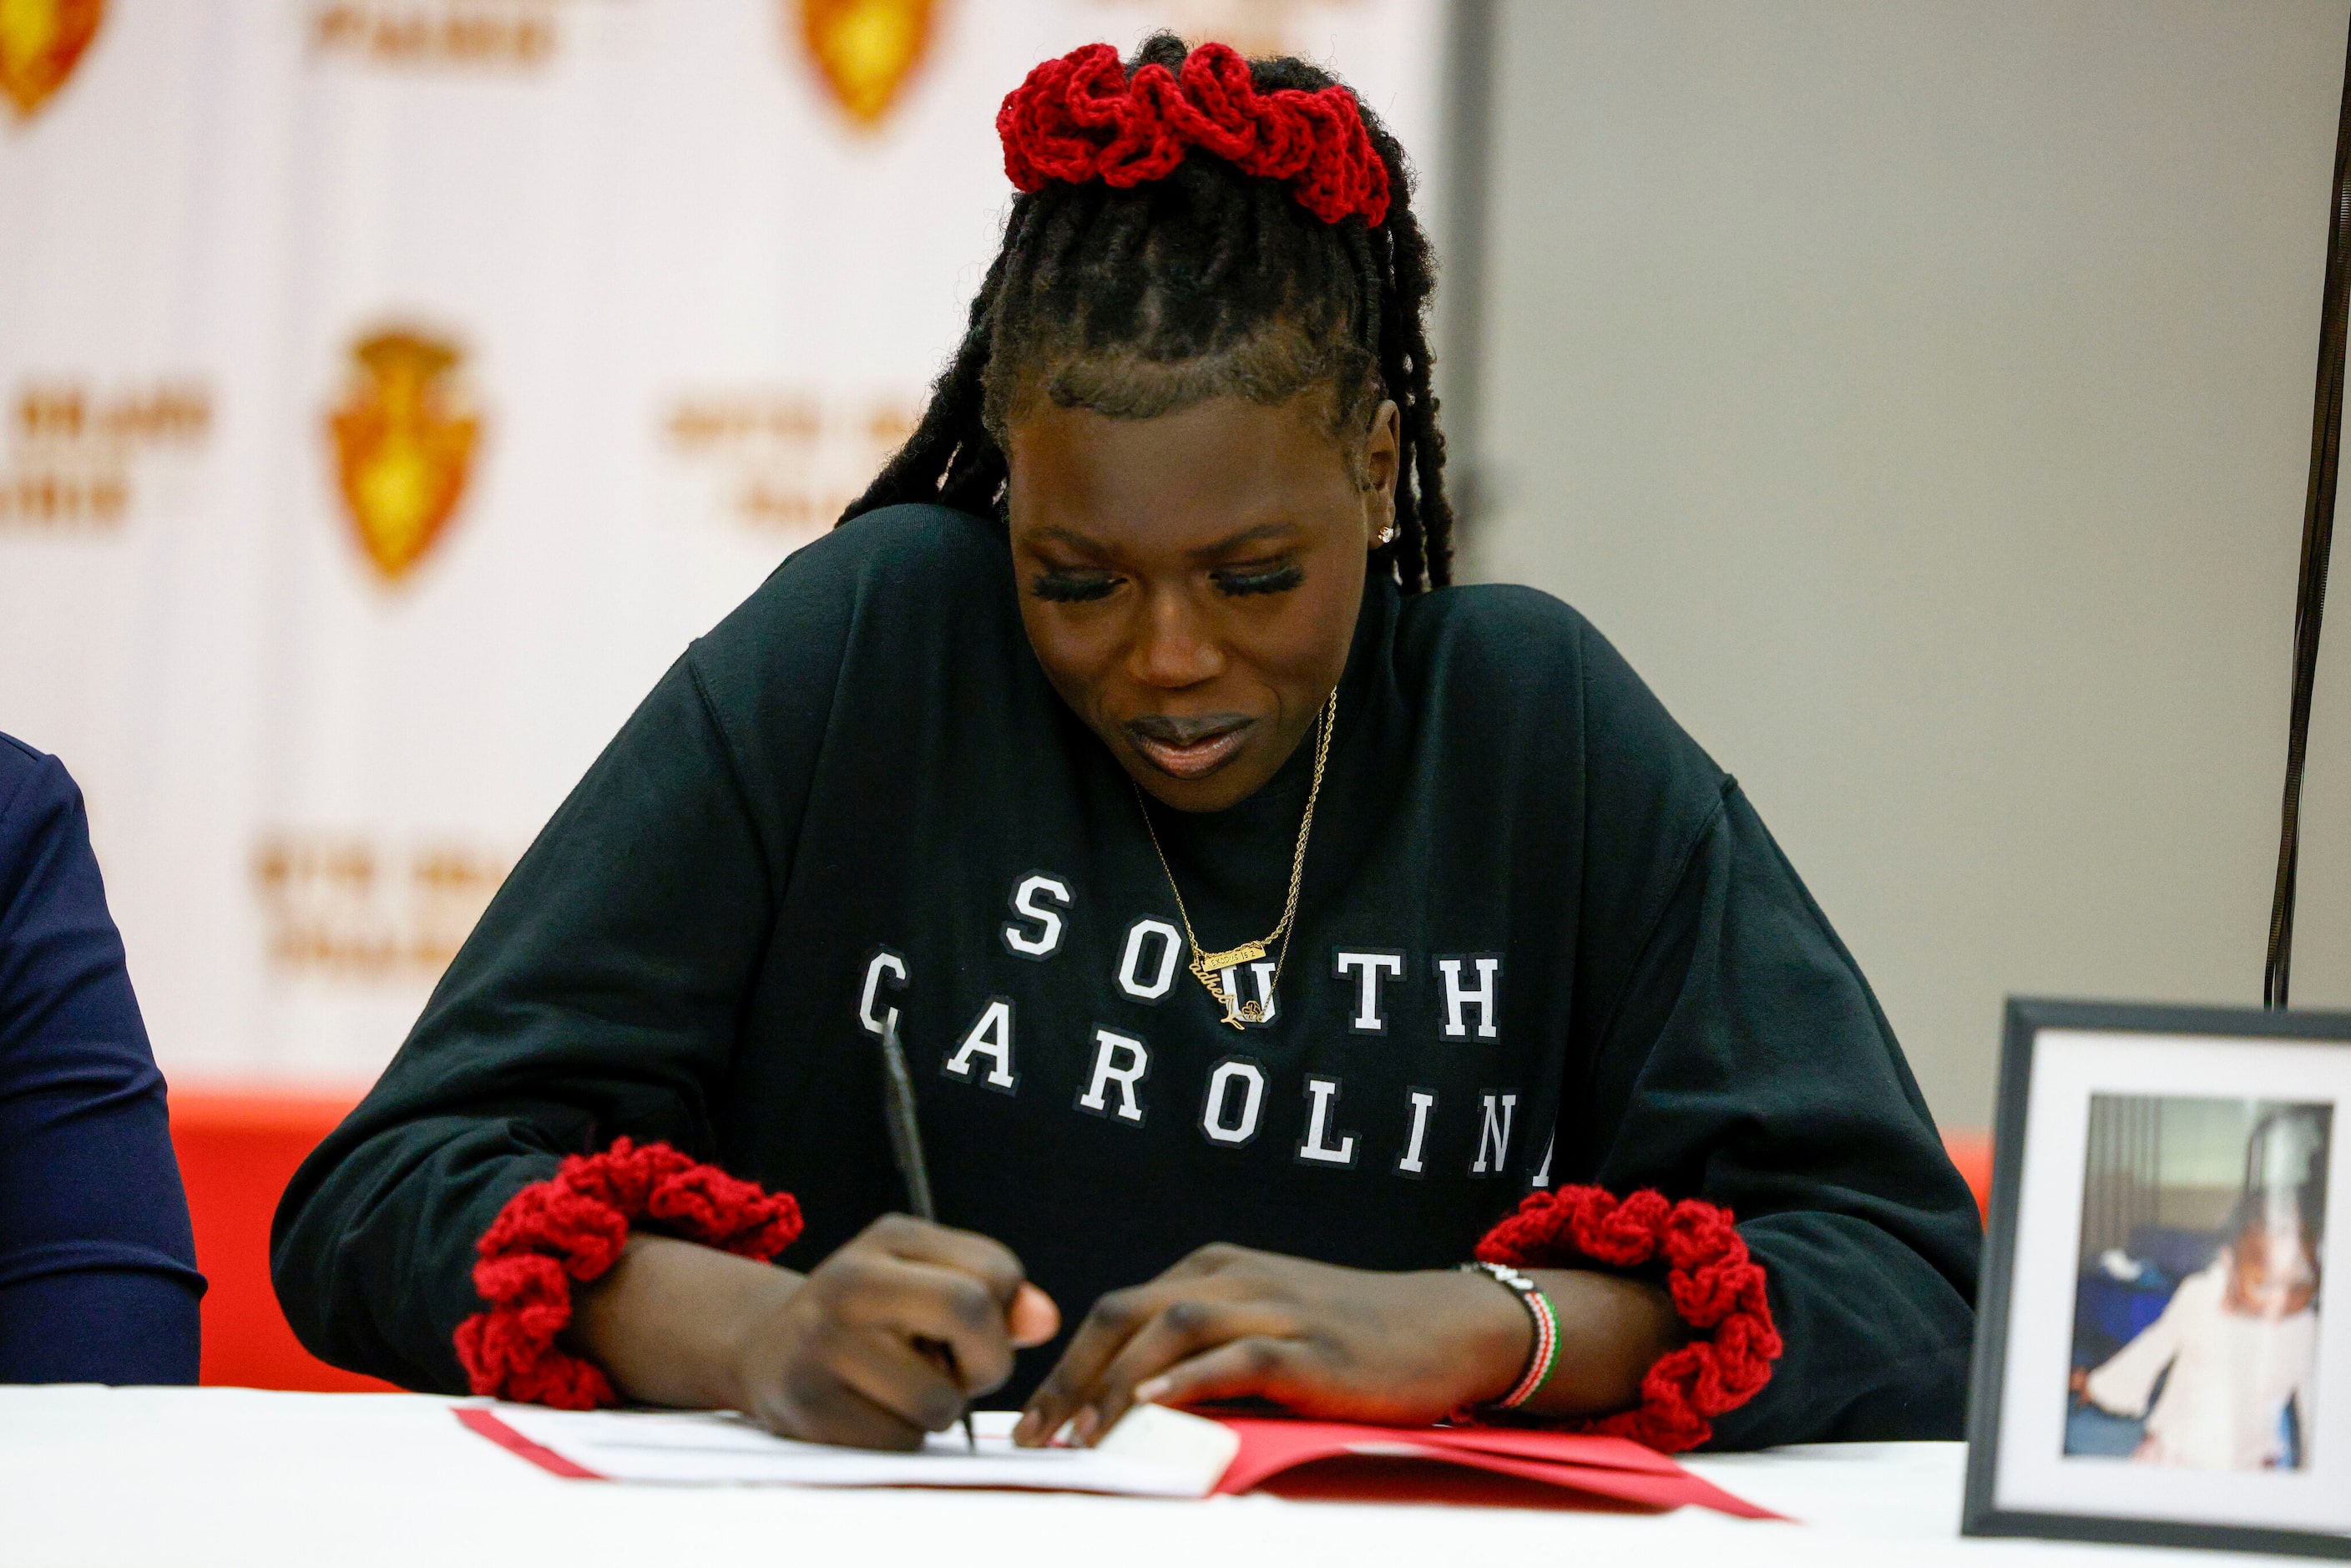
(1970, 1150)
(237, 1154)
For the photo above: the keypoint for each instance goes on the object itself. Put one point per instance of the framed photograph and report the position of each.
(2155, 1358)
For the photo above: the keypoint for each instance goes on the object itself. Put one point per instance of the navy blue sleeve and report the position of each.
(97, 1266)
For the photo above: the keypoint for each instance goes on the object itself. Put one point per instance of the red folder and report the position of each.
(1338, 1459)
(1342, 1460)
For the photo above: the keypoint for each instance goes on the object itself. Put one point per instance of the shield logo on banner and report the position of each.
(404, 440)
(865, 49)
(41, 41)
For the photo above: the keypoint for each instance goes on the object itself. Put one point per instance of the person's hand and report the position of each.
(1321, 1339)
(850, 1353)
(850, 1356)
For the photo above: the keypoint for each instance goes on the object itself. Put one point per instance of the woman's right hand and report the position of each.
(848, 1354)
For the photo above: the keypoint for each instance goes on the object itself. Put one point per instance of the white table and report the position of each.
(196, 1477)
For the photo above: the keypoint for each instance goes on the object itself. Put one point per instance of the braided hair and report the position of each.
(1135, 301)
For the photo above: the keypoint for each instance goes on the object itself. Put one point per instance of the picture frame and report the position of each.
(2155, 1360)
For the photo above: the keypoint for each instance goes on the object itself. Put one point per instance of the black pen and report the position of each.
(906, 1149)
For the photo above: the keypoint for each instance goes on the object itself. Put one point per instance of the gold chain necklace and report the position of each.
(1208, 968)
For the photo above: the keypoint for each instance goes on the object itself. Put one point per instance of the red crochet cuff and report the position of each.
(572, 1227)
(1716, 1287)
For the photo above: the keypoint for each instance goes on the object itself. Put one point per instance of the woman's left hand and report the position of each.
(1228, 1323)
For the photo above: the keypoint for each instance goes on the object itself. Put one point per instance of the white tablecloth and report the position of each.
(197, 1477)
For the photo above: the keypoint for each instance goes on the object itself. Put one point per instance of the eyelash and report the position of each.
(1276, 579)
(1061, 588)
(1066, 590)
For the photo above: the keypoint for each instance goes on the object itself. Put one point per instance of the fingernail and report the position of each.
(1025, 1429)
(1150, 1390)
(1082, 1426)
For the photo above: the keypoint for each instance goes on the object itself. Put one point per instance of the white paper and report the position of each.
(1154, 1452)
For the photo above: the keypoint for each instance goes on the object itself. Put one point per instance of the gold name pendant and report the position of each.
(1210, 969)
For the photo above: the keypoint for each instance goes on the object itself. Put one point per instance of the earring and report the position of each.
(1387, 536)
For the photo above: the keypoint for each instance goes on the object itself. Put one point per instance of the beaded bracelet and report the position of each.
(1546, 1346)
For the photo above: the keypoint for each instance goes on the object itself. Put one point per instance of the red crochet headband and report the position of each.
(1081, 117)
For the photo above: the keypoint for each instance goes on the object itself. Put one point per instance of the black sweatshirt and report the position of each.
(1542, 939)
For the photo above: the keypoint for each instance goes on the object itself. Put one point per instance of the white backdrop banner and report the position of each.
(394, 387)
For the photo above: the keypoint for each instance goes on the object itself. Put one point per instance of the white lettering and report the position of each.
(884, 962)
(1108, 1070)
(1213, 1120)
(1131, 963)
(1371, 970)
(1494, 1134)
(1318, 1149)
(1046, 940)
(1422, 1103)
(1543, 1173)
(990, 1036)
(1483, 999)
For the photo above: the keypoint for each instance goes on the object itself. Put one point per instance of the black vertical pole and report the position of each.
(1468, 159)
(2318, 535)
